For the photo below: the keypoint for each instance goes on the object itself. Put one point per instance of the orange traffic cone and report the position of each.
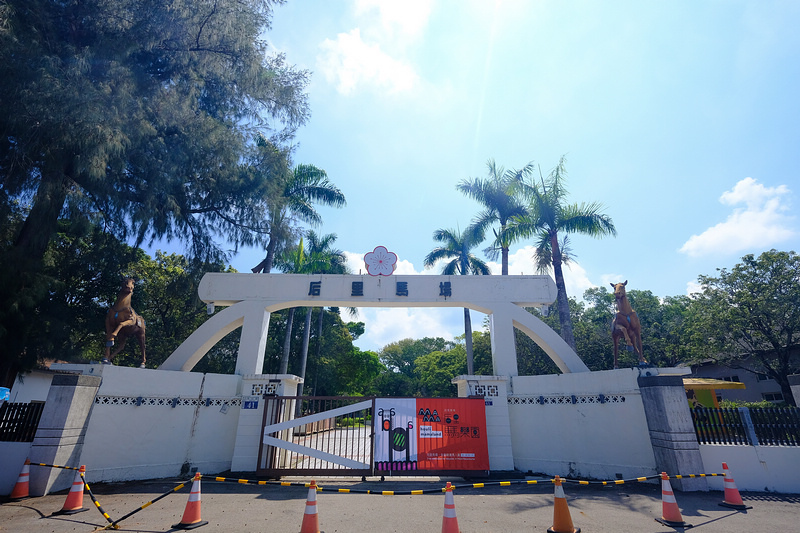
(74, 503)
(562, 521)
(670, 514)
(732, 497)
(191, 515)
(23, 482)
(449, 521)
(310, 517)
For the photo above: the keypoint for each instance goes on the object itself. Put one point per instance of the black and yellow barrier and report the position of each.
(97, 503)
(57, 466)
(115, 523)
(462, 486)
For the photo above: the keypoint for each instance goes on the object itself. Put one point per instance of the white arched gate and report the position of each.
(317, 441)
(250, 298)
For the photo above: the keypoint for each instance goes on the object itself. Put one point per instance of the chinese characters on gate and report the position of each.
(401, 288)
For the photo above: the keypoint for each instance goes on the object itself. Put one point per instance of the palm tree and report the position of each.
(305, 186)
(498, 195)
(548, 214)
(323, 259)
(291, 261)
(456, 247)
(318, 257)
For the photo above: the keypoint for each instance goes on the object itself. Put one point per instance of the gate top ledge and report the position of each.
(279, 291)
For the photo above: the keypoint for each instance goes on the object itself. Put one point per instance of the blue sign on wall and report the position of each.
(250, 402)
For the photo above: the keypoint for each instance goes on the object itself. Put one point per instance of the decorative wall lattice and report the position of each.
(566, 400)
(140, 401)
(484, 390)
(260, 389)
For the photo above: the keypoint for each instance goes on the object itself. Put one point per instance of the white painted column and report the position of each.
(251, 415)
(253, 342)
(504, 349)
(494, 390)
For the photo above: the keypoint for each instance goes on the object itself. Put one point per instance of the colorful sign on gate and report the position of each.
(430, 434)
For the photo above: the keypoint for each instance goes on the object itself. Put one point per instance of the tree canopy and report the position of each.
(142, 116)
(549, 214)
(500, 200)
(752, 312)
(456, 247)
(141, 111)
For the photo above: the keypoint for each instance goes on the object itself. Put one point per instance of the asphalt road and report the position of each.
(632, 507)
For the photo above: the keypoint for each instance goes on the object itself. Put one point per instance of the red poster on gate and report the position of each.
(430, 434)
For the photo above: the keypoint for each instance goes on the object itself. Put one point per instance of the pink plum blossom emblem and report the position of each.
(380, 262)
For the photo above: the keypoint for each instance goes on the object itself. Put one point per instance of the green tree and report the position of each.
(436, 370)
(140, 112)
(305, 186)
(400, 361)
(317, 258)
(63, 316)
(497, 193)
(748, 317)
(166, 296)
(456, 247)
(341, 369)
(665, 337)
(292, 261)
(482, 348)
(324, 259)
(548, 215)
(86, 265)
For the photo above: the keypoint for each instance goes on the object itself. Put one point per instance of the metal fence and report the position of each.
(336, 439)
(742, 426)
(18, 421)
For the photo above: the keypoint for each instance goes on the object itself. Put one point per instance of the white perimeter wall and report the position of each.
(154, 440)
(754, 468)
(586, 439)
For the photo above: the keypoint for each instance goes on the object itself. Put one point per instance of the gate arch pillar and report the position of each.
(504, 350)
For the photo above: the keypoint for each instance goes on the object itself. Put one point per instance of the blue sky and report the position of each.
(681, 117)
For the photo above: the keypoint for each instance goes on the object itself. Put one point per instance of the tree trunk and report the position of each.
(786, 391)
(468, 340)
(287, 343)
(319, 348)
(22, 285)
(504, 260)
(265, 266)
(42, 221)
(304, 349)
(564, 317)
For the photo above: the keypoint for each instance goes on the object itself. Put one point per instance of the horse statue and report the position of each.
(626, 324)
(123, 322)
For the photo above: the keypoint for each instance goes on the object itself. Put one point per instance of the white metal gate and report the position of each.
(305, 435)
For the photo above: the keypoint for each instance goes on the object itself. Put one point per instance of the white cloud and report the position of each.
(520, 262)
(387, 325)
(373, 54)
(349, 62)
(607, 279)
(406, 19)
(762, 221)
(355, 261)
(577, 280)
(693, 287)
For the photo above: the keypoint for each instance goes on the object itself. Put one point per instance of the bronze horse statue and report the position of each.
(626, 324)
(123, 322)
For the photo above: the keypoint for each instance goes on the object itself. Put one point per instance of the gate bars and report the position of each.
(321, 435)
